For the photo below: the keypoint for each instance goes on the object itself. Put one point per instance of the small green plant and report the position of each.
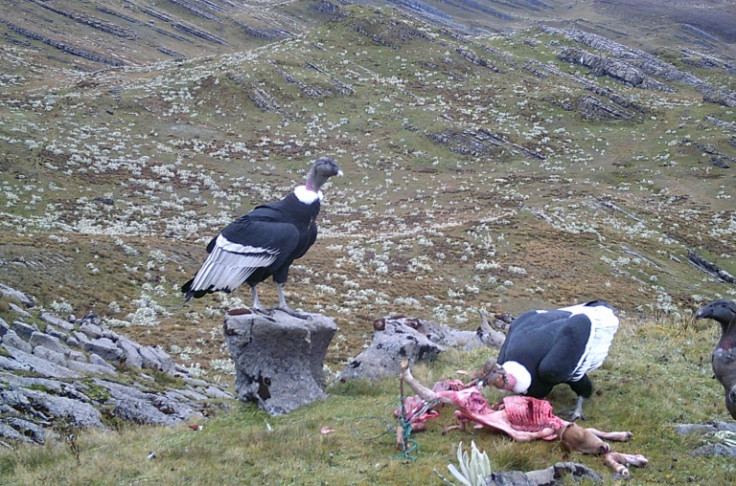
(474, 468)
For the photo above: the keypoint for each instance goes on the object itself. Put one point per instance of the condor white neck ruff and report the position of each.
(521, 374)
(306, 196)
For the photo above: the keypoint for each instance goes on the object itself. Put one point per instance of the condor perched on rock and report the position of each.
(723, 359)
(546, 348)
(265, 241)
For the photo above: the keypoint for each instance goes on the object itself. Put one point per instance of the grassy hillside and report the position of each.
(477, 176)
(658, 376)
(473, 180)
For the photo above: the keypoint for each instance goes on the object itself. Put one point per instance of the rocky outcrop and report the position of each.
(194, 31)
(267, 34)
(719, 435)
(718, 96)
(402, 338)
(721, 123)
(278, 357)
(473, 58)
(614, 68)
(205, 13)
(710, 268)
(645, 62)
(59, 374)
(639, 68)
(480, 142)
(705, 61)
(63, 46)
(626, 104)
(95, 23)
(593, 108)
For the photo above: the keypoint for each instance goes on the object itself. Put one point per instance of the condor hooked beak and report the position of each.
(492, 373)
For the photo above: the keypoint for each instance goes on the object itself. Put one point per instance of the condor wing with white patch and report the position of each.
(603, 327)
(230, 264)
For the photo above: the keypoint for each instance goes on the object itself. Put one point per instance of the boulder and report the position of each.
(401, 338)
(278, 358)
(70, 374)
(155, 358)
(47, 341)
(49, 318)
(559, 474)
(131, 349)
(25, 299)
(713, 433)
(23, 330)
(104, 348)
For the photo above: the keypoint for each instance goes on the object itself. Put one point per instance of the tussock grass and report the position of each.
(657, 376)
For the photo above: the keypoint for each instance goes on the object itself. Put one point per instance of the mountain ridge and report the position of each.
(490, 171)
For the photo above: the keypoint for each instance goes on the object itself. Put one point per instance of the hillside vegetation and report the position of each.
(657, 376)
(485, 168)
(481, 172)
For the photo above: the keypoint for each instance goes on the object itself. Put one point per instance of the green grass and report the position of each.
(452, 209)
(657, 376)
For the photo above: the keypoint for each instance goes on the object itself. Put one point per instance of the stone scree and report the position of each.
(65, 374)
(278, 357)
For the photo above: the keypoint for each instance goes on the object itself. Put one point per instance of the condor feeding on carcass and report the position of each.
(265, 241)
(723, 358)
(546, 348)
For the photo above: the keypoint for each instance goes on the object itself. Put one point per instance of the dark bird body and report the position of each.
(546, 348)
(723, 358)
(264, 242)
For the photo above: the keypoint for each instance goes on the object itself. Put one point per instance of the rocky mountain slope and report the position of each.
(547, 153)
(60, 375)
(81, 36)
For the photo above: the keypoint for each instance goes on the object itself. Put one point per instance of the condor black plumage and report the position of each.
(723, 358)
(265, 241)
(546, 348)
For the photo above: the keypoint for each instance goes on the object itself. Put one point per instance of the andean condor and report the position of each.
(546, 348)
(265, 241)
(723, 358)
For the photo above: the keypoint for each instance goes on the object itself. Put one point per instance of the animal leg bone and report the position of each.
(615, 436)
(617, 467)
(424, 393)
(618, 461)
